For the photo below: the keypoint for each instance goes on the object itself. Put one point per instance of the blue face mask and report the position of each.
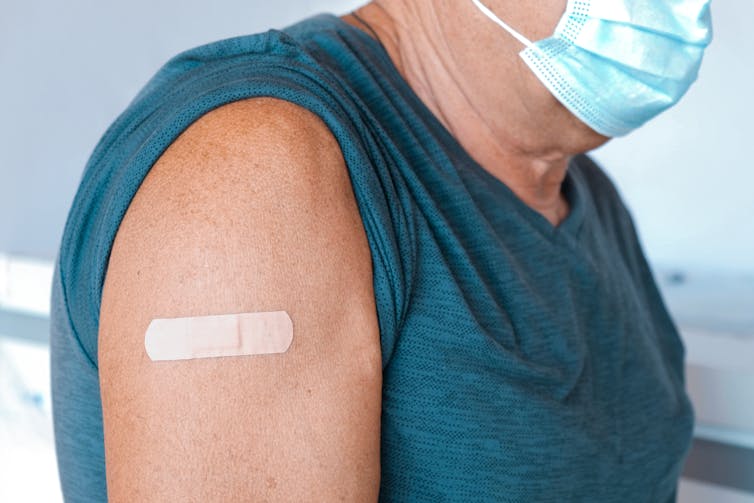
(615, 64)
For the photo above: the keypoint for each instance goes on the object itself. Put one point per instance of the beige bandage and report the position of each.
(219, 335)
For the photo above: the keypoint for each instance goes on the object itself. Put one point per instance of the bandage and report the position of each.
(219, 335)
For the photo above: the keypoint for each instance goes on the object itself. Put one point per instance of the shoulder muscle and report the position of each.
(249, 210)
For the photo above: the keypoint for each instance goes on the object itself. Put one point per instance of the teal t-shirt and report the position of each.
(521, 362)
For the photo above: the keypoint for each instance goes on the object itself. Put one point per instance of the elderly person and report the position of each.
(473, 316)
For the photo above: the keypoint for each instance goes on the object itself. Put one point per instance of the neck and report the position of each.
(523, 138)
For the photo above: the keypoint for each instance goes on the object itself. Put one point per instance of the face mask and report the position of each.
(615, 64)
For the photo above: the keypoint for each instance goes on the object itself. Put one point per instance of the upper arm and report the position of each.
(250, 209)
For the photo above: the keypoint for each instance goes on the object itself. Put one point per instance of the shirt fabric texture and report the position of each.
(522, 362)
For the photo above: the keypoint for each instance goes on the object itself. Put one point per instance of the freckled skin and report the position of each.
(230, 219)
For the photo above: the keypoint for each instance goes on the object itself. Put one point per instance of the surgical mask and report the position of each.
(615, 64)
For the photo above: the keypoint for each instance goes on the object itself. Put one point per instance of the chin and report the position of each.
(581, 138)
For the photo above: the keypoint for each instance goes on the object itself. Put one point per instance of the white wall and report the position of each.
(68, 68)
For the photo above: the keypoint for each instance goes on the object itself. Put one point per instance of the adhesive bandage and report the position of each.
(219, 335)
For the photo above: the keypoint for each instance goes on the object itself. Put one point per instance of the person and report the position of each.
(474, 318)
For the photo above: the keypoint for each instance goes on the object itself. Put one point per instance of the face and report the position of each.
(535, 21)
(493, 53)
(484, 63)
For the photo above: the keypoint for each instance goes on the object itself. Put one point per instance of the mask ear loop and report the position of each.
(487, 12)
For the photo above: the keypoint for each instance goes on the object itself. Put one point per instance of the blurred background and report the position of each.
(69, 68)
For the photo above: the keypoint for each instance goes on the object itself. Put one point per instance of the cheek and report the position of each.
(535, 89)
(541, 17)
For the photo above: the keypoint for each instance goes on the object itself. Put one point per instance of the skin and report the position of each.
(251, 209)
(231, 219)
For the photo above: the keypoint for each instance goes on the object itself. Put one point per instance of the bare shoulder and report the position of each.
(250, 209)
